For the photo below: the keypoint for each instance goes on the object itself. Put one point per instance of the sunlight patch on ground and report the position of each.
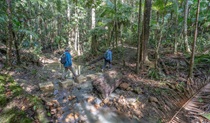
(48, 61)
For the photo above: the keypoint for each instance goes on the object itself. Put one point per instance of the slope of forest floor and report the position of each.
(157, 93)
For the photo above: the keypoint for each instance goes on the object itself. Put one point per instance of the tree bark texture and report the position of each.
(145, 30)
(194, 42)
(139, 41)
(107, 83)
(10, 36)
(187, 48)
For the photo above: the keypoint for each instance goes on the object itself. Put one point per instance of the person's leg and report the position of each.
(110, 64)
(65, 73)
(105, 62)
(72, 70)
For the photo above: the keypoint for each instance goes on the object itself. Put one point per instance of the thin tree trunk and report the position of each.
(159, 42)
(139, 39)
(69, 18)
(16, 43)
(115, 23)
(93, 37)
(194, 42)
(187, 48)
(10, 36)
(175, 36)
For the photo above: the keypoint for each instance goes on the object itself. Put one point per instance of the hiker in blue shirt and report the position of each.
(68, 64)
(107, 59)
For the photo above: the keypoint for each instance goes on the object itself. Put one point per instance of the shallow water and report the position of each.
(88, 113)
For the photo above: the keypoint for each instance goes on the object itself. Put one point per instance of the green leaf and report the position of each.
(2, 20)
(34, 107)
(207, 116)
(206, 24)
(28, 32)
(48, 114)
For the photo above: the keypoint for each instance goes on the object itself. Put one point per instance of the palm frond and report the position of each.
(196, 109)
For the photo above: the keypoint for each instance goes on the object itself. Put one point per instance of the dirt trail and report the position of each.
(152, 96)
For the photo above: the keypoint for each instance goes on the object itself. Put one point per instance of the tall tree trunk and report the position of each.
(139, 41)
(10, 36)
(116, 23)
(145, 31)
(159, 35)
(68, 18)
(93, 37)
(175, 35)
(16, 44)
(187, 48)
(194, 42)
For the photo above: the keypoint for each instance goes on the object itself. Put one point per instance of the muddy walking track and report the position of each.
(117, 95)
(95, 99)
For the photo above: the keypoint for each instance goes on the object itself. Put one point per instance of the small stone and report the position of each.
(91, 77)
(53, 111)
(97, 106)
(66, 83)
(69, 117)
(76, 116)
(81, 79)
(138, 90)
(71, 98)
(57, 75)
(153, 99)
(102, 104)
(124, 86)
(49, 104)
(55, 103)
(90, 99)
(106, 100)
(48, 86)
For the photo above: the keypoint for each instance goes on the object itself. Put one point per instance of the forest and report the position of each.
(159, 73)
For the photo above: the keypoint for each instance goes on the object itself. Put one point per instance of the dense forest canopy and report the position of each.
(92, 25)
(161, 60)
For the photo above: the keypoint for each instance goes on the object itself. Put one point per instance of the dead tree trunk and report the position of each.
(107, 83)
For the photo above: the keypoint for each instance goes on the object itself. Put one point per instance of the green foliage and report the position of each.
(2, 88)
(35, 100)
(16, 90)
(202, 59)
(14, 116)
(154, 74)
(13, 113)
(206, 115)
(3, 100)
(202, 42)
(180, 86)
(34, 72)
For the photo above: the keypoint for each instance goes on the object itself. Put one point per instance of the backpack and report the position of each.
(63, 59)
(106, 55)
